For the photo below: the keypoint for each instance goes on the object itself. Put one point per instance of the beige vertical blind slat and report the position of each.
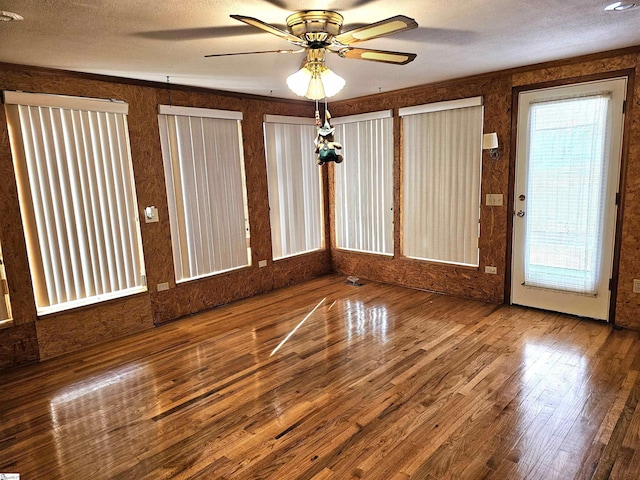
(5, 306)
(441, 184)
(295, 195)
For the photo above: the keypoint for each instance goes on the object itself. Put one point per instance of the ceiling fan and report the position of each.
(321, 31)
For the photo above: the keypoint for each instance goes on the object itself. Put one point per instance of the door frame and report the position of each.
(515, 93)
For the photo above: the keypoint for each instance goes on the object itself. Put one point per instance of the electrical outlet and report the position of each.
(262, 263)
(162, 286)
(151, 214)
(636, 286)
(490, 269)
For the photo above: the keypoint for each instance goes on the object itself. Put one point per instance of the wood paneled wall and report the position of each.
(496, 90)
(454, 280)
(31, 339)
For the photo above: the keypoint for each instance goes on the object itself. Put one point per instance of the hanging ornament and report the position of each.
(325, 145)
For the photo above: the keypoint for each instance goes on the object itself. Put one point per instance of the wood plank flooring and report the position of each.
(378, 382)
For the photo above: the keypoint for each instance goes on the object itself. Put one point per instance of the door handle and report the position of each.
(520, 213)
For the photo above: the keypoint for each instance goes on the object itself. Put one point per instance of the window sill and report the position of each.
(88, 302)
(8, 323)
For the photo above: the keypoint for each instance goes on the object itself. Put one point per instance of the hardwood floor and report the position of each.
(378, 382)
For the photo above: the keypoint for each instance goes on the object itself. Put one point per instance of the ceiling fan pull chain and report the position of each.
(318, 123)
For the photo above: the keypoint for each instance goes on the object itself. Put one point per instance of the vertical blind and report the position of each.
(567, 177)
(77, 198)
(442, 157)
(5, 307)
(204, 174)
(364, 183)
(295, 186)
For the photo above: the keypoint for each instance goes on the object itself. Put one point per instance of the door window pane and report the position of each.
(566, 186)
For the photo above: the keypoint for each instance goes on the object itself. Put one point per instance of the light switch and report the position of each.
(494, 200)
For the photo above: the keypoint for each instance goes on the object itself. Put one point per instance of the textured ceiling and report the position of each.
(151, 40)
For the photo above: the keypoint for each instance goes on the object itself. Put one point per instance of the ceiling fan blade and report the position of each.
(384, 56)
(251, 53)
(269, 28)
(396, 24)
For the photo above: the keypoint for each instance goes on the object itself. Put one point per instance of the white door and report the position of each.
(568, 155)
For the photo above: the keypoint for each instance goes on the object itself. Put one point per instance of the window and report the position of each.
(204, 174)
(5, 306)
(442, 145)
(295, 186)
(77, 198)
(364, 183)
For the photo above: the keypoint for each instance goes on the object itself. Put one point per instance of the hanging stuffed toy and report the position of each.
(325, 146)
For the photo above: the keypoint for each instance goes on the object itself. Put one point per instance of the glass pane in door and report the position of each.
(566, 185)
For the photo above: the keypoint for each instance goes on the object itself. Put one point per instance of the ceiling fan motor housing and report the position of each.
(315, 26)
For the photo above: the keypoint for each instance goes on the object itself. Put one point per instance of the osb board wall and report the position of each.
(190, 297)
(628, 303)
(497, 90)
(454, 280)
(72, 330)
(575, 69)
(18, 345)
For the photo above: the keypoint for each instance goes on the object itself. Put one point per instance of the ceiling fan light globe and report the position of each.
(298, 82)
(315, 90)
(332, 82)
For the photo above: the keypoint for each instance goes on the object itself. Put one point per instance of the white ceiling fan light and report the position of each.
(315, 81)
(332, 82)
(298, 82)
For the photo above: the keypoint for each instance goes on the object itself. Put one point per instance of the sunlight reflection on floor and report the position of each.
(361, 320)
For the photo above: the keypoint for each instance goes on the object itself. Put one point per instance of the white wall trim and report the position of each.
(363, 117)
(66, 102)
(289, 120)
(199, 112)
(439, 106)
